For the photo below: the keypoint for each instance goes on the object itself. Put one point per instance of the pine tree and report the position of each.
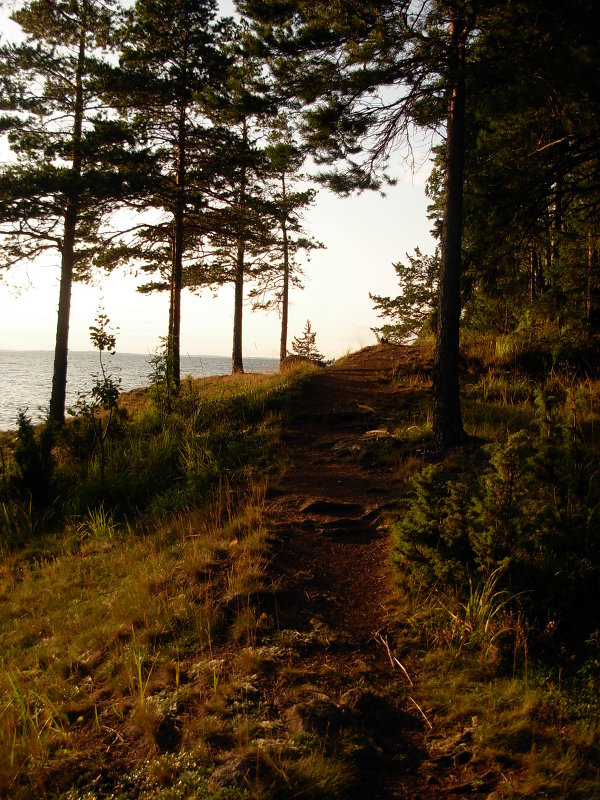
(68, 174)
(409, 312)
(369, 72)
(285, 160)
(531, 220)
(171, 67)
(242, 234)
(305, 345)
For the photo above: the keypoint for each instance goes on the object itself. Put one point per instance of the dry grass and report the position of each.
(145, 652)
(118, 640)
(107, 636)
(104, 632)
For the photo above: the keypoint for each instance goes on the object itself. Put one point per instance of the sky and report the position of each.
(363, 236)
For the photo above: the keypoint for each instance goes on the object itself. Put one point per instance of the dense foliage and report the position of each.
(530, 221)
(522, 508)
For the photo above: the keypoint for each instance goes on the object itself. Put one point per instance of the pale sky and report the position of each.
(363, 235)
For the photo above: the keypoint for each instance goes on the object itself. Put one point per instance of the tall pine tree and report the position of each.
(172, 66)
(69, 166)
(242, 234)
(285, 160)
(368, 73)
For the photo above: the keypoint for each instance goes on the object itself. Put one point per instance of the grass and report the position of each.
(523, 693)
(482, 619)
(152, 463)
(153, 634)
(524, 734)
(140, 637)
(30, 725)
(125, 621)
(105, 634)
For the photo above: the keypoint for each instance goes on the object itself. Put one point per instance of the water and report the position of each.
(26, 376)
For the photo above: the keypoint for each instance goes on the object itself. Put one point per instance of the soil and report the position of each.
(332, 667)
(331, 565)
(327, 510)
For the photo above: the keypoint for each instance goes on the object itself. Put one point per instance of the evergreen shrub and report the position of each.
(33, 458)
(531, 510)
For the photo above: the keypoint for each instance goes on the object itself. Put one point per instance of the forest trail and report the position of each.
(335, 585)
(327, 508)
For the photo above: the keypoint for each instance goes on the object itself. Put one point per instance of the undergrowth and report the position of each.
(139, 626)
(151, 462)
(497, 552)
(127, 582)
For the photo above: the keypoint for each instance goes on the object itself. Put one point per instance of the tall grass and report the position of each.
(497, 548)
(30, 724)
(151, 462)
(116, 616)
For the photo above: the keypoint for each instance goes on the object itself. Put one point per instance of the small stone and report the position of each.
(229, 774)
(317, 716)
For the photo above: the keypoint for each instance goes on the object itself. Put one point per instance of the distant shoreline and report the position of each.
(126, 353)
(26, 376)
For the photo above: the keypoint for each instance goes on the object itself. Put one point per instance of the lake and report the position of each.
(26, 376)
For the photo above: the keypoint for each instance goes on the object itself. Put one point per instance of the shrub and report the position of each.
(531, 511)
(432, 538)
(33, 457)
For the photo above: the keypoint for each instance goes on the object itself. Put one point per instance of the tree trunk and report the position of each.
(61, 350)
(589, 305)
(286, 278)
(174, 348)
(447, 421)
(174, 342)
(532, 274)
(237, 364)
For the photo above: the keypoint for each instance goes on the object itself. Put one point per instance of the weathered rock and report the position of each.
(347, 447)
(229, 774)
(317, 716)
(456, 749)
(378, 433)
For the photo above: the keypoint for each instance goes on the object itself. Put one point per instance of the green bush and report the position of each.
(432, 538)
(531, 510)
(33, 458)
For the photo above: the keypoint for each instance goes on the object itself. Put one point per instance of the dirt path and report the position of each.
(331, 566)
(327, 511)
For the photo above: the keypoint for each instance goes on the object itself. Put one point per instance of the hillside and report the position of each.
(265, 646)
